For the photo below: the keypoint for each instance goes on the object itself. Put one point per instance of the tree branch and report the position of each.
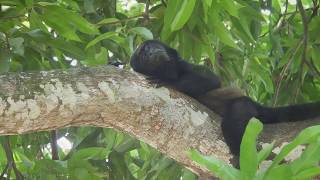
(108, 97)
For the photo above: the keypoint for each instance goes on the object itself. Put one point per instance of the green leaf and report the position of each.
(230, 7)
(308, 173)
(303, 137)
(32, 62)
(29, 3)
(108, 21)
(91, 153)
(58, 43)
(210, 52)
(205, 6)
(128, 145)
(89, 6)
(188, 175)
(183, 15)
(315, 54)
(265, 152)
(4, 60)
(118, 166)
(68, 47)
(216, 166)
(143, 32)
(314, 29)
(17, 45)
(14, 67)
(260, 72)
(46, 3)
(243, 29)
(221, 31)
(73, 4)
(185, 45)
(207, 2)
(95, 58)
(80, 174)
(48, 167)
(35, 21)
(101, 37)
(170, 12)
(197, 51)
(309, 158)
(169, 15)
(70, 17)
(248, 149)
(62, 27)
(161, 165)
(282, 172)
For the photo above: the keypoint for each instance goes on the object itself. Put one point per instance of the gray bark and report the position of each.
(108, 97)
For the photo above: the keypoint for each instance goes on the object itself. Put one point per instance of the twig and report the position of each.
(146, 12)
(283, 15)
(305, 44)
(54, 145)
(303, 41)
(305, 30)
(278, 22)
(10, 161)
(284, 70)
(305, 21)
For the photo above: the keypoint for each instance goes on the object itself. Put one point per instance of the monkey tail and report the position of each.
(292, 113)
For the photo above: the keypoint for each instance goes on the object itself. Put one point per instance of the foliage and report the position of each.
(304, 167)
(265, 47)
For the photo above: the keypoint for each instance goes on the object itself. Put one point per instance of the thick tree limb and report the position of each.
(108, 97)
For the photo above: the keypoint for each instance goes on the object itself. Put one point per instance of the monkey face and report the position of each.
(151, 56)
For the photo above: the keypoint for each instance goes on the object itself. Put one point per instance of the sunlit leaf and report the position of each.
(142, 31)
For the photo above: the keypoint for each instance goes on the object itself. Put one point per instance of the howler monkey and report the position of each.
(163, 64)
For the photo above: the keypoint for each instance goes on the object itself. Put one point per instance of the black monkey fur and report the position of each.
(163, 64)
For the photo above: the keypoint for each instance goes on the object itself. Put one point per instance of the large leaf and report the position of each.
(265, 152)
(218, 167)
(70, 17)
(58, 43)
(248, 149)
(221, 31)
(101, 37)
(169, 15)
(62, 27)
(230, 7)
(183, 15)
(91, 153)
(143, 32)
